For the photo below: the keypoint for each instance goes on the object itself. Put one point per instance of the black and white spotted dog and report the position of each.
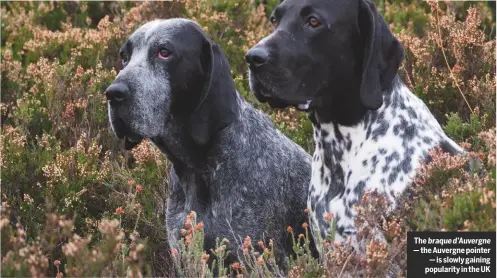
(230, 164)
(337, 60)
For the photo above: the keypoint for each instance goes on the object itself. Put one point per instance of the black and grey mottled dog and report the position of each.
(337, 60)
(230, 164)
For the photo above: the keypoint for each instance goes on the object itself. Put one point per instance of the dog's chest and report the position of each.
(346, 165)
(380, 154)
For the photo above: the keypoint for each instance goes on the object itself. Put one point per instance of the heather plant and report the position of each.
(24, 256)
(58, 155)
(74, 203)
(255, 257)
(452, 68)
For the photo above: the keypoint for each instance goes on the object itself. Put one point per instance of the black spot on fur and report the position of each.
(368, 132)
(396, 129)
(381, 130)
(406, 164)
(324, 133)
(387, 101)
(350, 231)
(348, 212)
(359, 188)
(427, 159)
(385, 169)
(375, 161)
(411, 113)
(338, 188)
(374, 116)
(393, 175)
(338, 134)
(330, 150)
(409, 132)
(395, 100)
(389, 159)
(393, 156)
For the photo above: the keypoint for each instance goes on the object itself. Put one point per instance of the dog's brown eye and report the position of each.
(273, 21)
(163, 53)
(314, 22)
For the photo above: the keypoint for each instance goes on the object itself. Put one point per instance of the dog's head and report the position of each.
(170, 69)
(338, 47)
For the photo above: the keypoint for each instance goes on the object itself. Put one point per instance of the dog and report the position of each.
(338, 61)
(230, 164)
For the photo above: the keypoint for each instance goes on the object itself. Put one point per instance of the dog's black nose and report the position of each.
(117, 92)
(257, 56)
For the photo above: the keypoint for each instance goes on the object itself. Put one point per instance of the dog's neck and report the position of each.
(343, 110)
(346, 113)
(195, 164)
(340, 103)
(178, 146)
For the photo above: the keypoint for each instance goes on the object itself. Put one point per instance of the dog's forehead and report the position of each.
(333, 7)
(159, 29)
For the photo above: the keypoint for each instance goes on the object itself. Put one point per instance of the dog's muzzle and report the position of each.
(116, 95)
(122, 131)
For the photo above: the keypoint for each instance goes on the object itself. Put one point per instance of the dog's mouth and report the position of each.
(265, 95)
(281, 104)
(274, 103)
(304, 107)
(130, 143)
(122, 131)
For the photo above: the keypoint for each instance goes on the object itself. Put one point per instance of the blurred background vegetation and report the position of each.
(64, 174)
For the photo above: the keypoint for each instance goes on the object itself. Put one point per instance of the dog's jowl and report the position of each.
(230, 164)
(338, 61)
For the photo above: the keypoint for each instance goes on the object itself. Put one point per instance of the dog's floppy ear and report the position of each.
(382, 55)
(217, 106)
